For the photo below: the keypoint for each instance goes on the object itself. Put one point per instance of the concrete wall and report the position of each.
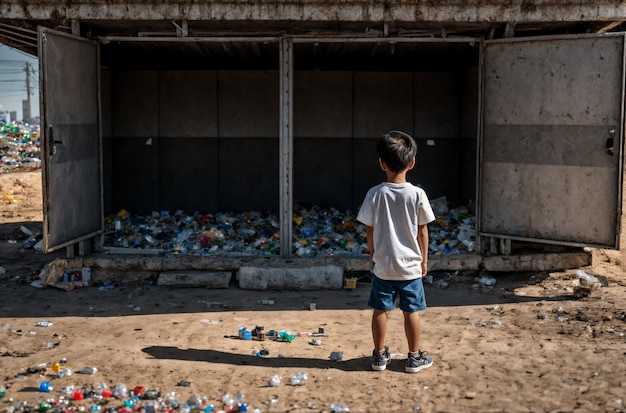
(208, 140)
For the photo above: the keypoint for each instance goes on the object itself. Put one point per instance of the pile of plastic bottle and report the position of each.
(100, 397)
(19, 145)
(317, 232)
(120, 399)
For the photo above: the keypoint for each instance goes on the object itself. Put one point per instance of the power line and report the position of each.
(18, 78)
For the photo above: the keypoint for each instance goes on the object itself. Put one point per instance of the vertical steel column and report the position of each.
(286, 146)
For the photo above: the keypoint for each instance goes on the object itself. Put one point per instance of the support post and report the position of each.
(286, 146)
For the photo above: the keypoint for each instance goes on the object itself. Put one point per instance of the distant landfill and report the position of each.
(19, 146)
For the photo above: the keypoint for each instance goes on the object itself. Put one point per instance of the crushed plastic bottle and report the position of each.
(64, 372)
(299, 378)
(285, 336)
(336, 356)
(120, 391)
(339, 408)
(274, 381)
(88, 370)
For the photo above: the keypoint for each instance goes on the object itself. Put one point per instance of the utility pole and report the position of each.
(27, 118)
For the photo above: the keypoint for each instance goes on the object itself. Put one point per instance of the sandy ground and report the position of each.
(526, 344)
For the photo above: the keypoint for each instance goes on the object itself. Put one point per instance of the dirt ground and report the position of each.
(526, 344)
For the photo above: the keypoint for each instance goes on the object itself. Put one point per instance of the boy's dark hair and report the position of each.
(396, 149)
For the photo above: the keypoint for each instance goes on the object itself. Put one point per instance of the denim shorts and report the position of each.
(384, 294)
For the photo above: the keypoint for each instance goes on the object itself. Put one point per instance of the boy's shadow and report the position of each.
(213, 356)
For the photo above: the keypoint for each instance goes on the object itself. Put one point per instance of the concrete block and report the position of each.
(303, 278)
(456, 262)
(536, 262)
(208, 279)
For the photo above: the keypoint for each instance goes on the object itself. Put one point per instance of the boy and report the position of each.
(395, 214)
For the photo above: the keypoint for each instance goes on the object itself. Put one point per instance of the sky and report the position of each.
(13, 81)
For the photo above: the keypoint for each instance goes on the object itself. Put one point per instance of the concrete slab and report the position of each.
(291, 278)
(255, 272)
(537, 262)
(207, 279)
(457, 262)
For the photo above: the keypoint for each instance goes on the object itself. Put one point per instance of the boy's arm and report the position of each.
(422, 239)
(369, 231)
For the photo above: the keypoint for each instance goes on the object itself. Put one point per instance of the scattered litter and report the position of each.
(487, 281)
(37, 284)
(274, 381)
(209, 322)
(585, 284)
(587, 280)
(299, 379)
(19, 145)
(336, 356)
(350, 283)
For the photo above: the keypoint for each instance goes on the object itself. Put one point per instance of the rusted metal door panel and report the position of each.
(551, 143)
(71, 144)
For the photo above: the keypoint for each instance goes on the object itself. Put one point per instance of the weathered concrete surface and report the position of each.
(318, 10)
(536, 262)
(457, 262)
(328, 277)
(259, 272)
(207, 279)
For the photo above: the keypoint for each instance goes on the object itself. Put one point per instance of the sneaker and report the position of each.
(380, 359)
(417, 361)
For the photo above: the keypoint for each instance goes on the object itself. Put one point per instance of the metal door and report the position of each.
(551, 142)
(71, 144)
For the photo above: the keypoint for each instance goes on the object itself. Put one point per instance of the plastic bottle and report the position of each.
(152, 394)
(336, 355)
(274, 381)
(339, 408)
(64, 372)
(120, 391)
(299, 379)
(88, 370)
(45, 387)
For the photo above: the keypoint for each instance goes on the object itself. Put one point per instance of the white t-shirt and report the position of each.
(395, 211)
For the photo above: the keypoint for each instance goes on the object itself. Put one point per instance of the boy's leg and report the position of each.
(412, 325)
(412, 301)
(416, 360)
(381, 300)
(379, 328)
(380, 355)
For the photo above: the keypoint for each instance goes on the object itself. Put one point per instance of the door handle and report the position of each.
(610, 143)
(52, 149)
